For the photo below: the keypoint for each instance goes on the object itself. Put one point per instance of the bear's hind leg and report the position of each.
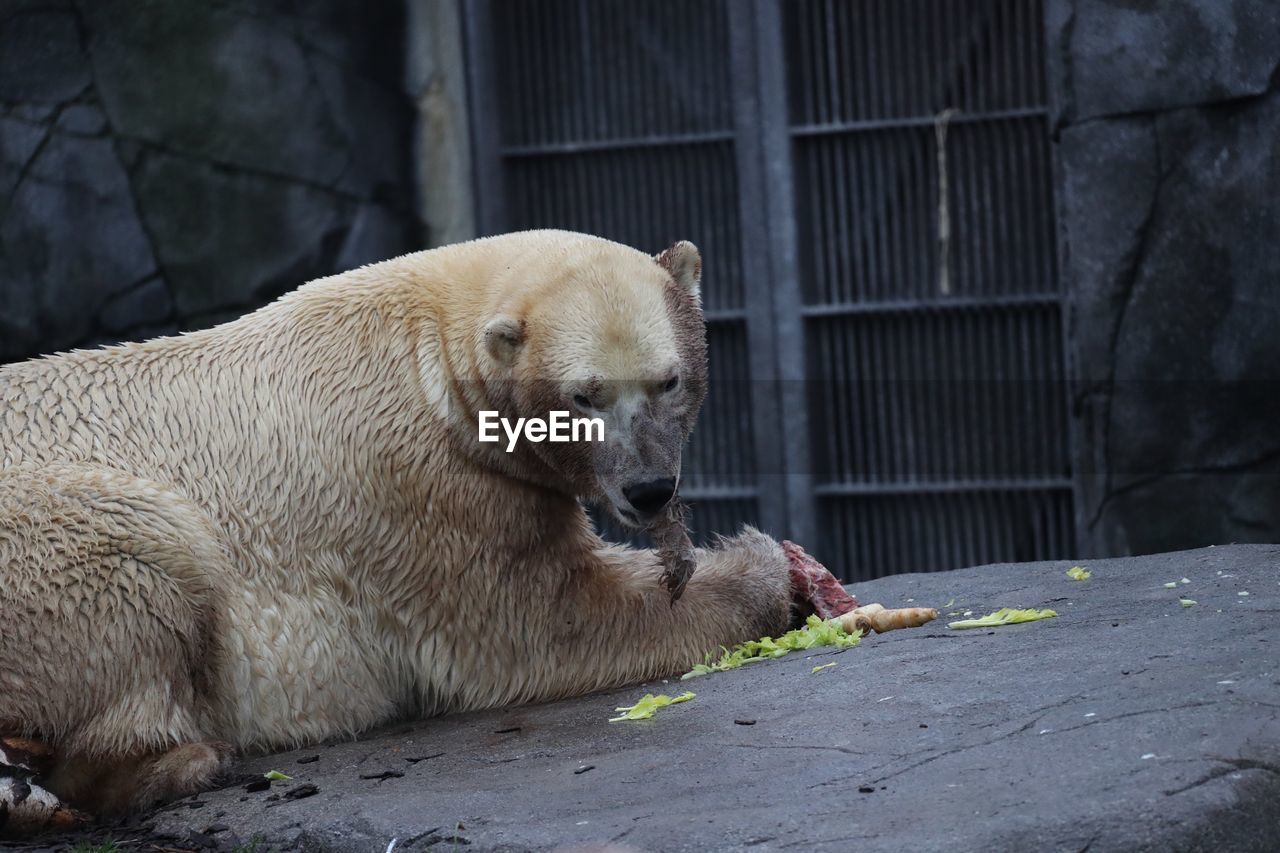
(182, 771)
(110, 645)
(107, 786)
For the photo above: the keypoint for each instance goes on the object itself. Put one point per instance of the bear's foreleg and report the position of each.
(620, 625)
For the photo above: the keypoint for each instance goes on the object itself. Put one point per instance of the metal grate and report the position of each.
(938, 397)
(925, 236)
(879, 60)
(613, 72)
(645, 197)
(870, 184)
(867, 206)
(929, 531)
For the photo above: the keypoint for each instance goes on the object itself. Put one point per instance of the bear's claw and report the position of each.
(675, 549)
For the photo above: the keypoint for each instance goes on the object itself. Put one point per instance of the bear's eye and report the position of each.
(582, 401)
(672, 384)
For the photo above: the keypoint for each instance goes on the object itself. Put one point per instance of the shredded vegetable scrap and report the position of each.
(1187, 602)
(1004, 616)
(1171, 585)
(649, 705)
(277, 776)
(818, 669)
(816, 632)
(1076, 573)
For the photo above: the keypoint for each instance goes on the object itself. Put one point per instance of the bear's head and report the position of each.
(602, 331)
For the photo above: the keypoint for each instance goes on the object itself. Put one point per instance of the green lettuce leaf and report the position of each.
(1004, 616)
(649, 705)
(815, 633)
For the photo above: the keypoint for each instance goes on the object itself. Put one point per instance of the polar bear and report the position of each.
(284, 528)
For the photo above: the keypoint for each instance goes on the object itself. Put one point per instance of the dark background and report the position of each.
(166, 166)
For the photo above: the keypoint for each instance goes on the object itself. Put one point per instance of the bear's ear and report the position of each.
(685, 265)
(503, 337)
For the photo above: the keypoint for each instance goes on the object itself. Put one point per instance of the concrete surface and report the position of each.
(1128, 723)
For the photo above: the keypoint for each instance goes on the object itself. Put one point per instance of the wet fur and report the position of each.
(283, 529)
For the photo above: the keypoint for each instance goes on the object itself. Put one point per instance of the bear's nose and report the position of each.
(650, 497)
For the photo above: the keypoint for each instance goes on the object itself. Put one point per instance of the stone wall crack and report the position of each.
(1132, 271)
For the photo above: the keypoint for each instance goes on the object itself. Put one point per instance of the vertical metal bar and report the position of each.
(1006, 249)
(1015, 359)
(892, 166)
(810, 163)
(784, 298)
(929, 398)
(477, 25)
(545, 109)
(887, 450)
(857, 523)
(927, 217)
(1028, 24)
(513, 49)
(759, 220)
(858, 38)
(924, 208)
(880, 214)
(1045, 236)
(1036, 437)
(900, 55)
(831, 60)
(889, 553)
(818, 79)
(634, 216)
(940, 27)
(555, 26)
(842, 26)
(999, 53)
(1021, 176)
(858, 148)
(842, 185)
(1046, 453)
(962, 202)
(1014, 42)
(944, 352)
(835, 181)
(849, 425)
(845, 424)
(605, 29)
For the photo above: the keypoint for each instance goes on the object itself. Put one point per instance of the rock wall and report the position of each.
(1168, 132)
(169, 164)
